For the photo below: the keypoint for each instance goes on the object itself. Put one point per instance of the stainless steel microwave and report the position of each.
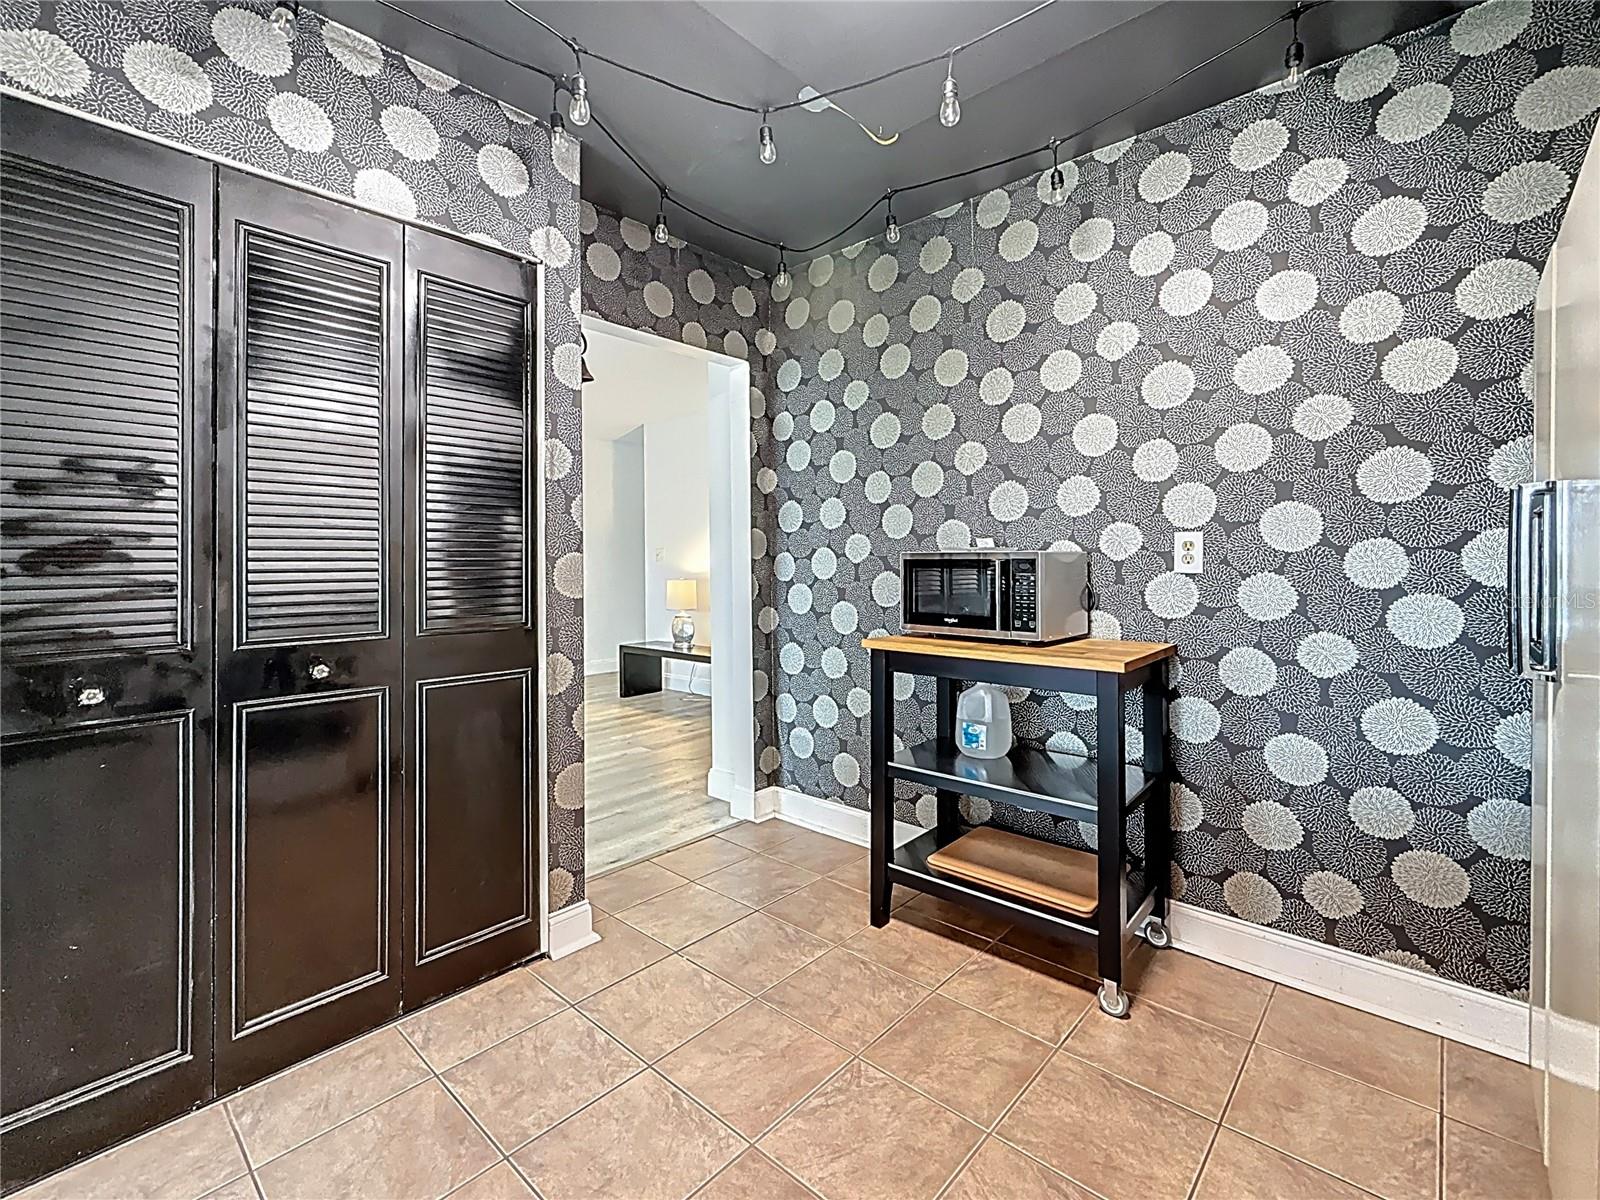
(1011, 595)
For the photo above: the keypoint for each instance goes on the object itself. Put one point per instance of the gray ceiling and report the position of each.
(1056, 72)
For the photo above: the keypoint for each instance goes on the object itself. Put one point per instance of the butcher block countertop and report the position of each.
(1085, 654)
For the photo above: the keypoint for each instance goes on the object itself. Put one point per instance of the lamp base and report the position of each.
(682, 631)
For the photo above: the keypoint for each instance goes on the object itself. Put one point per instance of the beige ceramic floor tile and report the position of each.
(999, 1172)
(243, 1188)
(1078, 957)
(1207, 991)
(1035, 996)
(756, 952)
(499, 1182)
(184, 1159)
(684, 915)
(848, 1141)
(632, 885)
(752, 1066)
(1351, 1129)
(1185, 1060)
(845, 998)
(620, 952)
(982, 924)
(662, 1006)
(917, 947)
(830, 910)
(527, 1083)
(757, 880)
(754, 1176)
(1491, 1092)
(702, 857)
(288, 1109)
(817, 851)
(1107, 1134)
(459, 1027)
(759, 835)
(1480, 1166)
(1240, 1169)
(644, 1141)
(858, 874)
(418, 1145)
(959, 1057)
(1393, 1057)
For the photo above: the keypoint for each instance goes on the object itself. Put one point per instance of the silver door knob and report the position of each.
(320, 670)
(88, 697)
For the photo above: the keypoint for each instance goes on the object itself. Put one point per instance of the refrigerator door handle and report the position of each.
(1517, 579)
(1539, 562)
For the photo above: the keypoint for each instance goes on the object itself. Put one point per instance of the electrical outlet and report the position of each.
(1188, 552)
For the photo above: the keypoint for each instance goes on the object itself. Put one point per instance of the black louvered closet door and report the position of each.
(105, 637)
(309, 624)
(471, 649)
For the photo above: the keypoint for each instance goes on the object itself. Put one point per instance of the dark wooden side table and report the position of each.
(1102, 790)
(639, 664)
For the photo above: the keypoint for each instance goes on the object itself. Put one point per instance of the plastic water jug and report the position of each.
(983, 722)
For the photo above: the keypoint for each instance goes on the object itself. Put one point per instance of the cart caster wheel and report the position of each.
(1113, 1000)
(1156, 933)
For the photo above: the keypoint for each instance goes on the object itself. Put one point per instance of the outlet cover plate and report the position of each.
(1188, 552)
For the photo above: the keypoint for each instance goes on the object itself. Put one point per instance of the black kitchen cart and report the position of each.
(1102, 790)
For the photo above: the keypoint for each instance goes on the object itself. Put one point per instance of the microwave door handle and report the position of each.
(1516, 581)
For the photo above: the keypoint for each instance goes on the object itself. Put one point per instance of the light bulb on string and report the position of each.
(782, 279)
(661, 233)
(769, 148)
(950, 105)
(559, 137)
(578, 109)
(1295, 56)
(1056, 189)
(891, 227)
(283, 17)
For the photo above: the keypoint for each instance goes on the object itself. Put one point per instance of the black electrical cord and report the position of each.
(1049, 147)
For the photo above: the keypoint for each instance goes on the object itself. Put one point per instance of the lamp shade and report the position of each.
(682, 595)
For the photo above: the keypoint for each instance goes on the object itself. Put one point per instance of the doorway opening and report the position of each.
(668, 712)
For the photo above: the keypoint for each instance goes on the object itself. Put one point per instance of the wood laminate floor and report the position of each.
(645, 767)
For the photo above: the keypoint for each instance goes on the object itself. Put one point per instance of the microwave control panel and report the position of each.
(1024, 596)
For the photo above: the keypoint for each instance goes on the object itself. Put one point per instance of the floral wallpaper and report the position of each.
(1299, 323)
(333, 109)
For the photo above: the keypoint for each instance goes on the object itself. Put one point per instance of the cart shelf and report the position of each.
(1048, 781)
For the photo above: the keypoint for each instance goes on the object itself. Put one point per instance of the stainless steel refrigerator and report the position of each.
(1554, 592)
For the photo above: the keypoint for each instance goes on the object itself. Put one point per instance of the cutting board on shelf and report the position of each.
(1042, 873)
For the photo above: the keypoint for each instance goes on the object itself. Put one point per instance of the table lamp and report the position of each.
(683, 595)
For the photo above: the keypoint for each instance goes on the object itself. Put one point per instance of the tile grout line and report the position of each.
(1233, 1090)
(249, 1167)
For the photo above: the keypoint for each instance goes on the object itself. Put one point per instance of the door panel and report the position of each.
(471, 648)
(309, 303)
(105, 642)
(311, 850)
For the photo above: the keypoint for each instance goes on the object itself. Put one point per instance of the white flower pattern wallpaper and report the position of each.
(336, 111)
(1300, 323)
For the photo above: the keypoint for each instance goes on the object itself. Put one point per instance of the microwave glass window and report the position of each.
(954, 593)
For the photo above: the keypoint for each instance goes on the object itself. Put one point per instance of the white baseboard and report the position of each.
(571, 930)
(764, 806)
(834, 819)
(1452, 1010)
(721, 784)
(600, 666)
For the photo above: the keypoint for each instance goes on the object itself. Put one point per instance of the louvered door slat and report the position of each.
(314, 437)
(93, 416)
(474, 459)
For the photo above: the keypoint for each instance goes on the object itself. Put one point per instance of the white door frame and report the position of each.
(733, 757)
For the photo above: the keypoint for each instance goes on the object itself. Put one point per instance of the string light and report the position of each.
(578, 110)
(1056, 190)
(1295, 55)
(950, 106)
(891, 227)
(558, 128)
(769, 148)
(283, 17)
(782, 278)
